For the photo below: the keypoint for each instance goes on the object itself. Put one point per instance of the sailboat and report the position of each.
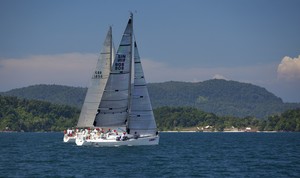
(115, 111)
(95, 90)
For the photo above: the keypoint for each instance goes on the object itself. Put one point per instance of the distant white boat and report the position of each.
(115, 112)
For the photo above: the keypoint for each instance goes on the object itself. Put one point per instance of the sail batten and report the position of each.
(125, 44)
(118, 73)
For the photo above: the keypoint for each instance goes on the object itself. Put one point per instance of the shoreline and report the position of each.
(191, 131)
(168, 131)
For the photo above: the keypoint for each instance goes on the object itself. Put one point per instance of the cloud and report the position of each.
(289, 68)
(160, 72)
(257, 74)
(218, 76)
(75, 69)
(66, 69)
(264, 75)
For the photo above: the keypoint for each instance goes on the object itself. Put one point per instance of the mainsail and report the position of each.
(141, 117)
(98, 82)
(114, 106)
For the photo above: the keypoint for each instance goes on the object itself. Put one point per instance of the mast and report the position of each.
(130, 92)
(111, 46)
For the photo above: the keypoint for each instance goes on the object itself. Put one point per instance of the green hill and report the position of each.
(221, 97)
(57, 94)
(182, 118)
(31, 115)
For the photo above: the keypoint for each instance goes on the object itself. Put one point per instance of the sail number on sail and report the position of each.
(119, 65)
(97, 74)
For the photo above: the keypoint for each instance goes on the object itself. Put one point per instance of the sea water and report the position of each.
(177, 155)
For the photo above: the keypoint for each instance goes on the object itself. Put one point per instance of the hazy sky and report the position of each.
(58, 41)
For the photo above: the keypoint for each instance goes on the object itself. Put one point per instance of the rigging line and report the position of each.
(118, 90)
(134, 39)
(119, 72)
(124, 44)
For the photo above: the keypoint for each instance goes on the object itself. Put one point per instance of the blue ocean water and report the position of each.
(177, 155)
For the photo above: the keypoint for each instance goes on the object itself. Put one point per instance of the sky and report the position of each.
(58, 41)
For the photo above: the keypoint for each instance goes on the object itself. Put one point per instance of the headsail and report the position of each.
(142, 118)
(98, 82)
(114, 106)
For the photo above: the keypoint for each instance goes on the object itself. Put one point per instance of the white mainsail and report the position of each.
(98, 82)
(142, 118)
(114, 105)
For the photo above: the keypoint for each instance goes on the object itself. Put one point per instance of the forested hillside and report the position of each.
(178, 118)
(30, 115)
(24, 115)
(58, 94)
(221, 97)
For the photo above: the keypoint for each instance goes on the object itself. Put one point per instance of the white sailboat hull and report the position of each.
(148, 140)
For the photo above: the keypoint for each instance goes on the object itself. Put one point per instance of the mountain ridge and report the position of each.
(222, 97)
